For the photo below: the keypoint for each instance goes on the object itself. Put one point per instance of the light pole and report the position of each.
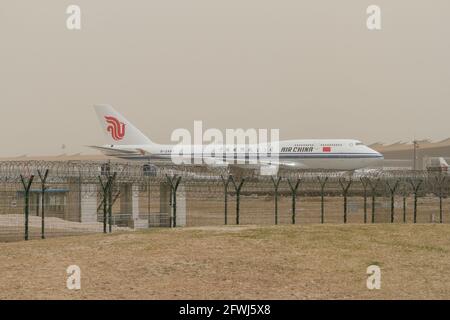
(415, 146)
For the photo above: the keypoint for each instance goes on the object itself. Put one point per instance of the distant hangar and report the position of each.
(401, 154)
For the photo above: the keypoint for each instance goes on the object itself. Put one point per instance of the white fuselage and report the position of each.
(128, 142)
(330, 154)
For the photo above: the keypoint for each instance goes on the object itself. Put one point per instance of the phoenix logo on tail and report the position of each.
(115, 127)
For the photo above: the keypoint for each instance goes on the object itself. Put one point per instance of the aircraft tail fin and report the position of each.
(118, 130)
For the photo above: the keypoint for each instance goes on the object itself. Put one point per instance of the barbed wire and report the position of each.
(322, 194)
(138, 172)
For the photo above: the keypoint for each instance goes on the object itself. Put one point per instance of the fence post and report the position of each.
(110, 200)
(149, 208)
(392, 189)
(294, 196)
(276, 184)
(27, 187)
(238, 193)
(415, 186)
(225, 186)
(440, 208)
(322, 181)
(43, 178)
(404, 192)
(345, 188)
(440, 180)
(105, 201)
(364, 182)
(404, 208)
(373, 187)
(174, 182)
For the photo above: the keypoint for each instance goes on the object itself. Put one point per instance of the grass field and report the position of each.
(235, 262)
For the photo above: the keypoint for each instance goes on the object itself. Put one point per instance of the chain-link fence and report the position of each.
(47, 199)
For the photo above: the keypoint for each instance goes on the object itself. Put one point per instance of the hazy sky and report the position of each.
(310, 68)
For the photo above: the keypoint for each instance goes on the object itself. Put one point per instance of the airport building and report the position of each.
(401, 154)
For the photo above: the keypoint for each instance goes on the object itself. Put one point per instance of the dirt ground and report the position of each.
(235, 262)
(12, 227)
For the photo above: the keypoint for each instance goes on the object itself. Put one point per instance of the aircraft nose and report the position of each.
(379, 156)
(376, 154)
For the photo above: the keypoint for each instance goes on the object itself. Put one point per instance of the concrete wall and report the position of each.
(88, 203)
(129, 206)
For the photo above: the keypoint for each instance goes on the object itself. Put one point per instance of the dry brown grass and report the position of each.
(247, 262)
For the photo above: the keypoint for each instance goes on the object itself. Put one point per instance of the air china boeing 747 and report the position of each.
(127, 142)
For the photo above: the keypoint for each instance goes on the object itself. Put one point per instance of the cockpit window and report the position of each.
(359, 143)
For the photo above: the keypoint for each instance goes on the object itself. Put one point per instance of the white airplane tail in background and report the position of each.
(118, 130)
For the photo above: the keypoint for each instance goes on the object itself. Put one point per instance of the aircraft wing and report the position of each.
(260, 162)
(114, 151)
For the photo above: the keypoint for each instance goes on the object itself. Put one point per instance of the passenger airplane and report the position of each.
(127, 142)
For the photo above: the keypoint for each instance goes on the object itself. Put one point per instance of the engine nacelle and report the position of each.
(268, 170)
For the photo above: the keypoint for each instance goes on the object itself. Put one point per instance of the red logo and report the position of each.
(326, 149)
(115, 127)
